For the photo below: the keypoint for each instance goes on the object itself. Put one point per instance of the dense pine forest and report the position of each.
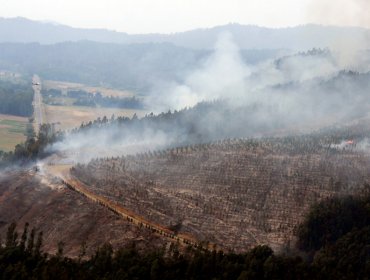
(16, 98)
(333, 243)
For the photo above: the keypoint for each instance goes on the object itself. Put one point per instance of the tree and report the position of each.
(11, 236)
(37, 250)
(31, 240)
(24, 237)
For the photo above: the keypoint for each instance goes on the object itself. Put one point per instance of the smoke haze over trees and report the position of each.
(135, 67)
(225, 97)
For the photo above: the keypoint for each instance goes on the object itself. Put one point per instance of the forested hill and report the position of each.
(134, 67)
(16, 98)
(345, 99)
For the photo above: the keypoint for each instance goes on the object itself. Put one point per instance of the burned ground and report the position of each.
(235, 193)
(65, 216)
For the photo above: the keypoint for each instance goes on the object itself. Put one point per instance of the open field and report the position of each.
(66, 86)
(12, 131)
(68, 117)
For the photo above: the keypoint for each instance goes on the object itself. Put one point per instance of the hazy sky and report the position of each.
(165, 16)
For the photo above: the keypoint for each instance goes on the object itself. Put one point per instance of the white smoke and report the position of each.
(339, 12)
(288, 91)
(222, 74)
(106, 142)
(344, 13)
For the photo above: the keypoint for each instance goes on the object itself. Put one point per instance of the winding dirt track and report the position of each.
(76, 185)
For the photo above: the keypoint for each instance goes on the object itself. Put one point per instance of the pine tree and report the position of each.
(11, 236)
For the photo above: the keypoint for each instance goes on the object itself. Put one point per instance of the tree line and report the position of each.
(84, 98)
(33, 148)
(16, 98)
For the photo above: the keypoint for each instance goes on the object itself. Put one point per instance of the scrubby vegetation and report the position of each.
(32, 148)
(346, 258)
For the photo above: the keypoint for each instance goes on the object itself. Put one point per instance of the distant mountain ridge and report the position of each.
(21, 30)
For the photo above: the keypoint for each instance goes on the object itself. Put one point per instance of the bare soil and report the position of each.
(64, 215)
(235, 194)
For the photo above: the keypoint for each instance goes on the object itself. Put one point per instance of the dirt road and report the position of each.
(62, 172)
(38, 107)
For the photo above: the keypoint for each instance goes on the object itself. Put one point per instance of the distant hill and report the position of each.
(304, 37)
(135, 67)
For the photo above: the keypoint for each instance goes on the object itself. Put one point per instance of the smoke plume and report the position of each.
(296, 92)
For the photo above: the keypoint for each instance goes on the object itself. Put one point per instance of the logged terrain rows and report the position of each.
(235, 194)
(79, 187)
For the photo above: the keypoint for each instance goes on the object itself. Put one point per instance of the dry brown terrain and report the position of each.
(64, 215)
(236, 194)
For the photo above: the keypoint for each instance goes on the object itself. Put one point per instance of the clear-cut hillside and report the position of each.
(235, 193)
(65, 216)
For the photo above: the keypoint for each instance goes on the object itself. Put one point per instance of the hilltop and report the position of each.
(22, 30)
